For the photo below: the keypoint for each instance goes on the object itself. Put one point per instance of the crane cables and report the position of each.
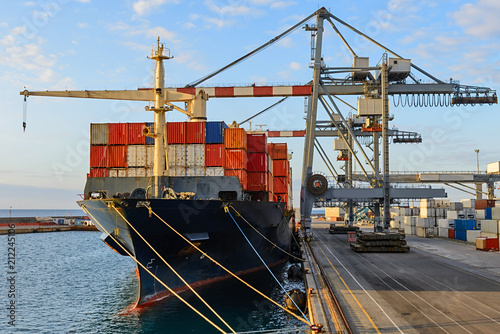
(251, 53)
(422, 100)
(149, 271)
(173, 270)
(222, 267)
(265, 264)
(262, 111)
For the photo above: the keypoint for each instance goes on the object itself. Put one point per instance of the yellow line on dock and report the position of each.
(345, 284)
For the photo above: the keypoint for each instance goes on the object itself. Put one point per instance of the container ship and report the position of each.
(167, 194)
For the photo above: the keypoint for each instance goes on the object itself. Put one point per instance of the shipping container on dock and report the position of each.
(236, 158)
(176, 132)
(117, 134)
(99, 134)
(98, 156)
(214, 155)
(257, 143)
(257, 162)
(135, 135)
(277, 151)
(214, 132)
(461, 235)
(195, 133)
(257, 181)
(451, 233)
(117, 156)
(487, 244)
(241, 174)
(235, 138)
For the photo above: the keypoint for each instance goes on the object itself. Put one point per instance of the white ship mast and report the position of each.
(162, 98)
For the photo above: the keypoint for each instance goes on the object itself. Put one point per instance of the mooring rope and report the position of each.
(224, 268)
(153, 275)
(265, 264)
(174, 271)
(263, 236)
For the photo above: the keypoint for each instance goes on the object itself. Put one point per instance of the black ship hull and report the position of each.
(206, 224)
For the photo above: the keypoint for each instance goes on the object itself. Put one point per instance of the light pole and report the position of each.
(477, 154)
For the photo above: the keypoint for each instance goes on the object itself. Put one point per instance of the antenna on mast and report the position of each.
(25, 109)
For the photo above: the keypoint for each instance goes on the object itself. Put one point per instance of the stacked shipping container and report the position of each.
(193, 149)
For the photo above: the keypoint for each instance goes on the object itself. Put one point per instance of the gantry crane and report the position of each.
(395, 80)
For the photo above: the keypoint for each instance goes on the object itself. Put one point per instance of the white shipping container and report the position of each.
(195, 155)
(99, 134)
(440, 213)
(451, 223)
(469, 203)
(443, 223)
(493, 167)
(176, 156)
(122, 172)
(470, 213)
(136, 155)
(150, 172)
(443, 232)
(452, 214)
(150, 156)
(409, 229)
(195, 171)
(495, 213)
(113, 172)
(488, 235)
(214, 171)
(334, 212)
(490, 226)
(415, 211)
(177, 171)
(472, 235)
(480, 214)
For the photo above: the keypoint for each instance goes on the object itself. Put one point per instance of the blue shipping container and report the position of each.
(150, 140)
(461, 235)
(487, 213)
(214, 132)
(466, 224)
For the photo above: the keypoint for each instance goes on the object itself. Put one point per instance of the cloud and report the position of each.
(295, 66)
(144, 7)
(232, 9)
(29, 4)
(282, 4)
(82, 25)
(479, 19)
(164, 34)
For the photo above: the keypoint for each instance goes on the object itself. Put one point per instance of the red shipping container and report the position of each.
(280, 167)
(235, 138)
(280, 185)
(451, 233)
(277, 151)
(270, 183)
(236, 159)
(98, 156)
(280, 198)
(98, 172)
(176, 132)
(489, 244)
(257, 143)
(257, 162)
(242, 174)
(214, 155)
(117, 134)
(117, 156)
(195, 132)
(135, 135)
(257, 181)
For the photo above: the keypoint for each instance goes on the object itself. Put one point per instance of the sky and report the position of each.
(95, 45)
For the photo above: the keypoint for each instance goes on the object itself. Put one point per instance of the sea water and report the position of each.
(71, 282)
